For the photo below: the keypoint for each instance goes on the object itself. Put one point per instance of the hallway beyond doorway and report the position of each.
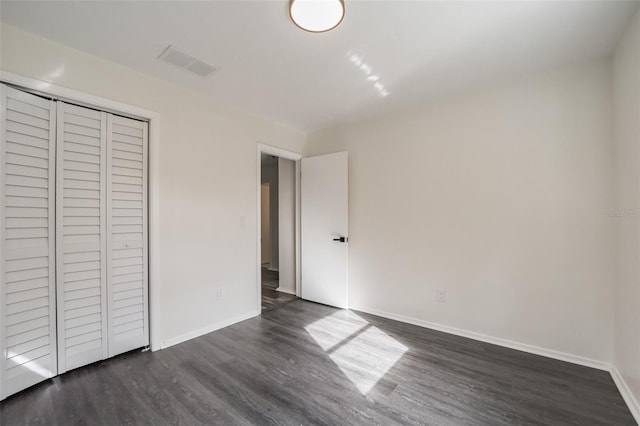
(271, 297)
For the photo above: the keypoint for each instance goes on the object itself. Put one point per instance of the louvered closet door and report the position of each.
(81, 236)
(27, 266)
(127, 231)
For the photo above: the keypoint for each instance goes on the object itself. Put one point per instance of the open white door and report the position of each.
(324, 226)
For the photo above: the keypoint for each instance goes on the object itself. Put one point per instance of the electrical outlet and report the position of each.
(220, 293)
(441, 295)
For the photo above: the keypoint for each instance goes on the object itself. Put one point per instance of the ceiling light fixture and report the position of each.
(316, 16)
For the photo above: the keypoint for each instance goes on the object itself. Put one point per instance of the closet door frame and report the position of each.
(153, 161)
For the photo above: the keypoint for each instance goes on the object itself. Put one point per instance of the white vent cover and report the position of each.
(177, 57)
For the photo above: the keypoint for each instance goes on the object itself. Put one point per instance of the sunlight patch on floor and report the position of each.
(363, 352)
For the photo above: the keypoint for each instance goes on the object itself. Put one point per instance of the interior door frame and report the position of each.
(287, 155)
(84, 99)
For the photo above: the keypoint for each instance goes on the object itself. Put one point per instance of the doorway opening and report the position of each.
(278, 233)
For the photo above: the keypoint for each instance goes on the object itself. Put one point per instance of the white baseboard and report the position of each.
(286, 291)
(208, 329)
(272, 269)
(550, 353)
(628, 397)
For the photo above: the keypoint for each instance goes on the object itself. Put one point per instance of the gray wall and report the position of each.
(270, 176)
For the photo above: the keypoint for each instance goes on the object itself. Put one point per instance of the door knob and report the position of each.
(341, 239)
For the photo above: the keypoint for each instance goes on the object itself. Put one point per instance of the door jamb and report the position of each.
(288, 155)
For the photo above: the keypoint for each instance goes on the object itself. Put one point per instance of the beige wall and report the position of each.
(498, 197)
(269, 171)
(626, 89)
(207, 180)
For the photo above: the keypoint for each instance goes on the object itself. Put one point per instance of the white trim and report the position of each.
(278, 152)
(75, 96)
(109, 105)
(549, 353)
(285, 291)
(298, 234)
(289, 155)
(628, 397)
(208, 329)
(153, 204)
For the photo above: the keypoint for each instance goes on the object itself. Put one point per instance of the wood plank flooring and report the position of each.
(309, 364)
(271, 298)
(270, 279)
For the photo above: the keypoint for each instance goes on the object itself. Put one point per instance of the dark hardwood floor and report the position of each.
(308, 364)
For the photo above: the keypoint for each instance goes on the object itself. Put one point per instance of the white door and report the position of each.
(27, 264)
(81, 236)
(127, 277)
(324, 229)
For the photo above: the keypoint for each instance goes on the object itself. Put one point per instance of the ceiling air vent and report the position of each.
(184, 60)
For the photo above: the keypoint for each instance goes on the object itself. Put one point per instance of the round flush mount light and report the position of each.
(316, 16)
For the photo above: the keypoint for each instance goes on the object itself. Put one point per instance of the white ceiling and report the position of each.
(418, 49)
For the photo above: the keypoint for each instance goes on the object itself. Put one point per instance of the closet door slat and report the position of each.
(81, 230)
(127, 248)
(27, 234)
